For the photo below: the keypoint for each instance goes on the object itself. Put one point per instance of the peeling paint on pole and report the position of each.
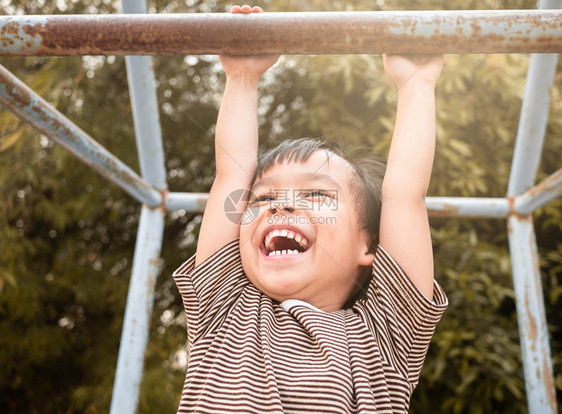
(21, 34)
(533, 332)
(498, 31)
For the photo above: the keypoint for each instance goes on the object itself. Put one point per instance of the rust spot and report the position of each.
(16, 100)
(448, 210)
(476, 29)
(543, 186)
(202, 201)
(11, 28)
(163, 196)
(513, 213)
(33, 30)
(549, 384)
(511, 202)
(532, 326)
(536, 266)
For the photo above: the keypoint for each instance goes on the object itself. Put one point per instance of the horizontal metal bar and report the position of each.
(192, 202)
(476, 31)
(467, 207)
(539, 195)
(27, 105)
(436, 206)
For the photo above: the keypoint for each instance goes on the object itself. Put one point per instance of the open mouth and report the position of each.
(280, 242)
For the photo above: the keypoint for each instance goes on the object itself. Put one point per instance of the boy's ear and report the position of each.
(367, 258)
(368, 248)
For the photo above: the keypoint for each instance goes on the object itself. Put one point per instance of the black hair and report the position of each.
(366, 182)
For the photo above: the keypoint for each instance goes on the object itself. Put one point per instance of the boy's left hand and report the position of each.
(423, 67)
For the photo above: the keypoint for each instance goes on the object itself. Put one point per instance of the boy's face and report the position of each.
(305, 242)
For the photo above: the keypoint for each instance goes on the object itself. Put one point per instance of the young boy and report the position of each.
(271, 322)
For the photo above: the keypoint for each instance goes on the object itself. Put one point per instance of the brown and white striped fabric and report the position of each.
(247, 354)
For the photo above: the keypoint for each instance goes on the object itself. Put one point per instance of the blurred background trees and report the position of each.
(67, 234)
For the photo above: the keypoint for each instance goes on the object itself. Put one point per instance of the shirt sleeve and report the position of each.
(400, 317)
(210, 289)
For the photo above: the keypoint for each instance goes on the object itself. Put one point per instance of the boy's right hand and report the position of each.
(247, 66)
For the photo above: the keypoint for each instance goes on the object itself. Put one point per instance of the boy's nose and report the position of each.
(281, 206)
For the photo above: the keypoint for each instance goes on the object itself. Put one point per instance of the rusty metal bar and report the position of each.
(503, 31)
(26, 104)
(540, 194)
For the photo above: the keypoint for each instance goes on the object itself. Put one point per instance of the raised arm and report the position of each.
(236, 147)
(404, 227)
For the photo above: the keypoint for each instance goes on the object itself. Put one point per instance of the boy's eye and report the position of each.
(262, 198)
(316, 194)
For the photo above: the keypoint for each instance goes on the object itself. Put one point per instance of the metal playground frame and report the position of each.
(135, 33)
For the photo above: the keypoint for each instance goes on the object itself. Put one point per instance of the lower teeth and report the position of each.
(282, 252)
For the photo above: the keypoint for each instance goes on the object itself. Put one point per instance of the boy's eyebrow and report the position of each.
(307, 176)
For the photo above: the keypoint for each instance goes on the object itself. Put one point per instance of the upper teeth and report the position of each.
(288, 234)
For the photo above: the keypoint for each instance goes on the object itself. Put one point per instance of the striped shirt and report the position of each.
(250, 354)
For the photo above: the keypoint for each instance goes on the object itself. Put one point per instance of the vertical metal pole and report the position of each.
(146, 119)
(138, 312)
(142, 88)
(151, 227)
(533, 331)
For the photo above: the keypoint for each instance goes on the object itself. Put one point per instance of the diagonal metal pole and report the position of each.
(19, 99)
(138, 313)
(540, 194)
(533, 330)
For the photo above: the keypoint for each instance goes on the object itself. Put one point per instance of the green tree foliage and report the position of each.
(67, 234)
